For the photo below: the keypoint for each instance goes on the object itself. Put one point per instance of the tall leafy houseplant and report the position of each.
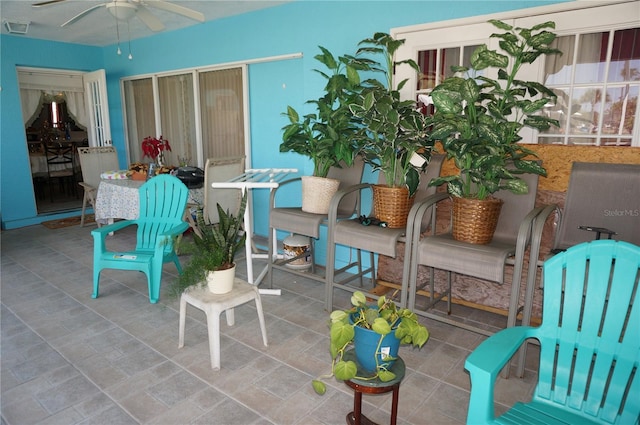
(326, 136)
(394, 137)
(478, 118)
(213, 248)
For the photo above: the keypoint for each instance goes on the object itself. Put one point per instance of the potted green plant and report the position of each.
(478, 120)
(375, 332)
(213, 252)
(326, 136)
(393, 137)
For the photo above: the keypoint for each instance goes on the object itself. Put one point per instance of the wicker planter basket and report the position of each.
(392, 205)
(475, 221)
(317, 193)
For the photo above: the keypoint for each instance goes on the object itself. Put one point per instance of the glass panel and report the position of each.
(468, 51)
(620, 110)
(177, 118)
(558, 68)
(141, 122)
(584, 116)
(542, 140)
(427, 64)
(582, 141)
(450, 57)
(625, 58)
(558, 111)
(592, 57)
(616, 142)
(221, 97)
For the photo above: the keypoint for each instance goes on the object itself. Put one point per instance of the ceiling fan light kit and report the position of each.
(121, 10)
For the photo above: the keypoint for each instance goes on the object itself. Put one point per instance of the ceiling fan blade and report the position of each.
(174, 8)
(149, 19)
(46, 3)
(82, 14)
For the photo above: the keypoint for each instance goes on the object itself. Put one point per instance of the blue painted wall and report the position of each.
(295, 27)
(18, 206)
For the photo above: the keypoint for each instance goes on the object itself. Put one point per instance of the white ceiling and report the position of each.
(98, 28)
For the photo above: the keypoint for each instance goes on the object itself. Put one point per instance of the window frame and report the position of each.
(570, 18)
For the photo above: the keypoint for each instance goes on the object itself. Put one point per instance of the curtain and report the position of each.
(76, 108)
(177, 118)
(139, 110)
(221, 106)
(32, 100)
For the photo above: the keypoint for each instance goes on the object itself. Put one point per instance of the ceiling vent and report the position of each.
(16, 27)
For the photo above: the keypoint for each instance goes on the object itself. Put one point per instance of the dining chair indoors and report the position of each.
(369, 238)
(93, 162)
(294, 220)
(163, 200)
(589, 344)
(61, 166)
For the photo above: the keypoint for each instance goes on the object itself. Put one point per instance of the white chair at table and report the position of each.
(93, 162)
(220, 170)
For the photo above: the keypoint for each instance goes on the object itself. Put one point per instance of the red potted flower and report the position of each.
(154, 148)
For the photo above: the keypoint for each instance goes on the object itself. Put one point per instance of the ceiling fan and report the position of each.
(125, 9)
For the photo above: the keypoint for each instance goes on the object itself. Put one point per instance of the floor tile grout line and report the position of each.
(147, 345)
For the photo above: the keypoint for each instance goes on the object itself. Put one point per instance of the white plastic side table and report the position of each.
(213, 305)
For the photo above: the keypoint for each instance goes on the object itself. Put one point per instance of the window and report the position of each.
(435, 66)
(597, 79)
(200, 112)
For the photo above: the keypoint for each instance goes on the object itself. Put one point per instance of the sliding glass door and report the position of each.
(201, 113)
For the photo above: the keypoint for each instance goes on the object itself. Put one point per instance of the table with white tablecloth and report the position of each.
(119, 199)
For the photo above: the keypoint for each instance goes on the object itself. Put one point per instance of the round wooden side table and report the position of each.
(374, 386)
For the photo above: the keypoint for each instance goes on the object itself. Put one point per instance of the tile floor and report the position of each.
(71, 359)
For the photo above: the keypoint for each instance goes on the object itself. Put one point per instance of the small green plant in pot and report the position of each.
(393, 137)
(213, 249)
(478, 119)
(384, 319)
(326, 136)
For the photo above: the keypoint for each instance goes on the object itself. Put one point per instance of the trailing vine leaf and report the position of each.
(386, 375)
(341, 333)
(319, 387)
(381, 326)
(345, 370)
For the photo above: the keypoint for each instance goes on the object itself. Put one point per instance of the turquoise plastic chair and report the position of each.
(589, 343)
(163, 200)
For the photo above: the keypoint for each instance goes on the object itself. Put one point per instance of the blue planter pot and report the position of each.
(366, 343)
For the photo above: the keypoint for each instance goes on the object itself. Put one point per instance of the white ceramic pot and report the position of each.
(221, 281)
